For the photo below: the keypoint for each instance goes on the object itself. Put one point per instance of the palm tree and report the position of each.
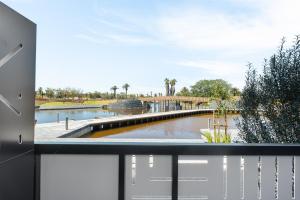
(114, 88)
(172, 83)
(125, 87)
(167, 85)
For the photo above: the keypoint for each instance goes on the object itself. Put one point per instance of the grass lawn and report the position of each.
(99, 102)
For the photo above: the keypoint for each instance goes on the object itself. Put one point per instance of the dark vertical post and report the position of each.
(121, 177)
(37, 176)
(159, 106)
(174, 177)
(67, 123)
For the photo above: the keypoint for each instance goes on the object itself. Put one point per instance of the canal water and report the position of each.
(180, 128)
(47, 116)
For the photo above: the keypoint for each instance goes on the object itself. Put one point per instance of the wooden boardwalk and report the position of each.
(57, 131)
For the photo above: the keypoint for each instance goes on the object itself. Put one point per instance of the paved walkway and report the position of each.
(50, 132)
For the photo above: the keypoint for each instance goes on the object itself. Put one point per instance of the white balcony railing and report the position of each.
(165, 172)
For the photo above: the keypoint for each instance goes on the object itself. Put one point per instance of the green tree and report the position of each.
(217, 88)
(167, 86)
(67, 93)
(270, 103)
(59, 93)
(114, 89)
(235, 91)
(184, 92)
(125, 87)
(49, 92)
(73, 93)
(41, 92)
(172, 89)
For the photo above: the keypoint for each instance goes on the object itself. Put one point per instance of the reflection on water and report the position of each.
(180, 128)
(78, 114)
(135, 111)
(46, 116)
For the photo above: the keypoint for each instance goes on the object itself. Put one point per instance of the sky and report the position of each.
(95, 44)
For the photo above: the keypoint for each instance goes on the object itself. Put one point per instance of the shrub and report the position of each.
(270, 102)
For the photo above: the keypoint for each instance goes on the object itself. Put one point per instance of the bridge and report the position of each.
(164, 101)
(195, 100)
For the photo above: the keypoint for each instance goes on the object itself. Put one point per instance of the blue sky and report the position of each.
(96, 44)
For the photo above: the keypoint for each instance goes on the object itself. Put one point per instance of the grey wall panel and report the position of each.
(201, 177)
(17, 82)
(233, 178)
(284, 177)
(16, 178)
(148, 177)
(297, 177)
(251, 177)
(268, 180)
(79, 177)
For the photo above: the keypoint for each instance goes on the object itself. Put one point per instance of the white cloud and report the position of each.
(111, 26)
(90, 38)
(218, 69)
(129, 39)
(199, 28)
(215, 67)
(21, 1)
(114, 25)
(116, 38)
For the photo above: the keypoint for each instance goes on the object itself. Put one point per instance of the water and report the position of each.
(46, 116)
(180, 128)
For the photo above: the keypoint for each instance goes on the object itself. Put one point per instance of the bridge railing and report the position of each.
(167, 171)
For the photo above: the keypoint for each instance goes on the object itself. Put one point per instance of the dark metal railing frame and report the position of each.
(173, 150)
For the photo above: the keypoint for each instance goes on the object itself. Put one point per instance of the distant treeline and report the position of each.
(217, 88)
(73, 93)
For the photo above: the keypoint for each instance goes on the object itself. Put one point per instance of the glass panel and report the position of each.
(201, 177)
(148, 177)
